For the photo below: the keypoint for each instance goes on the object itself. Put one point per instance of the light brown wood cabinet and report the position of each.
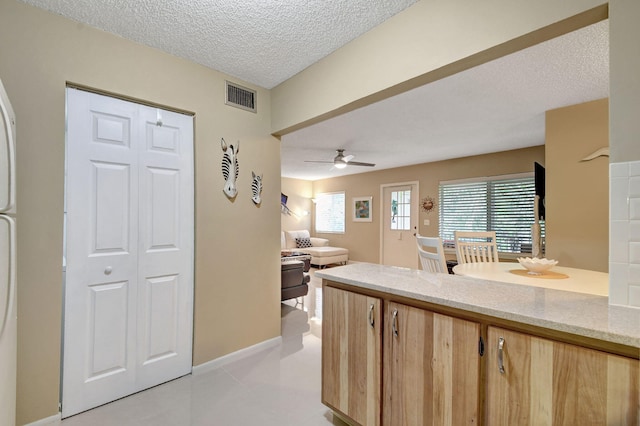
(545, 382)
(352, 355)
(431, 368)
(418, 365)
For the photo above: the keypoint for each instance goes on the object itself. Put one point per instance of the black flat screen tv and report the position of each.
(538, 172)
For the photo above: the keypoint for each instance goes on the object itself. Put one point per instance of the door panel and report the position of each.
(163, 139)
(399, 226)
(7, 273)
(129, 278)
(162, 208)
(7, 155)
(100, 300)
(160, 320)
(352, 354)
(8, 321)
(545, 382)
(111, 129)
(108, 324)
(432, 368)
(165, 260)
(110, 207)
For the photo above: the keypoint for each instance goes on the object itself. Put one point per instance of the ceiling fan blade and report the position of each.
(357, 163)
(341, 161)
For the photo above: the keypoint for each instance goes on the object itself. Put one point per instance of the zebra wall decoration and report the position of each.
(230, 168)
(256, 188)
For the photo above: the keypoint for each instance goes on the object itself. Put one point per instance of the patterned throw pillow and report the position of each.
(303, 242)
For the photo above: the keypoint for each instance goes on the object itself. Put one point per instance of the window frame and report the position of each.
(403, 209)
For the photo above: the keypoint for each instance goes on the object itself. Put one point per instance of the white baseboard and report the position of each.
(235, 356)
(53, 420)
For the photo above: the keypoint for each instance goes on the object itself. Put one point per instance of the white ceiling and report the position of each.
(494, 107)
(263, 42)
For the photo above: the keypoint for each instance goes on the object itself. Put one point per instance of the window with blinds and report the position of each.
(330, 212)
(501, 204)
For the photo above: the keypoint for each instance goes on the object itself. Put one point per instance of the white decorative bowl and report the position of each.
(537, 266)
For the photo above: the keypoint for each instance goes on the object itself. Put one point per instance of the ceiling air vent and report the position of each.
(240, 97)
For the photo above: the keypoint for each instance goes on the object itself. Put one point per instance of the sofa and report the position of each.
(321, 252)
(294, 282)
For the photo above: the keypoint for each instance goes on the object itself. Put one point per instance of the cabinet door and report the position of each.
(432, 368)
(551, 383)
(351, 355)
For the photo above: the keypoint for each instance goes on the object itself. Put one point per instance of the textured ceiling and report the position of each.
(263, 42)
(494, 107)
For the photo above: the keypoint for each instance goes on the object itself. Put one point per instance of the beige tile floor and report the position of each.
(278, 386)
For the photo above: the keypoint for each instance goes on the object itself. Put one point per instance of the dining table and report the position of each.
(557, 278)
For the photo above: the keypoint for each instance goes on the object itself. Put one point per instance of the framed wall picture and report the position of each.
(362, 209)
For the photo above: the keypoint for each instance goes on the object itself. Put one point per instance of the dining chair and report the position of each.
(475, 247)
(432, 261)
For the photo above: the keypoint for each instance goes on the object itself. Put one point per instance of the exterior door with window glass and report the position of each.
(399, 225)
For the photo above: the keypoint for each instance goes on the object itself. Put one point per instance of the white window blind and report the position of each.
(504, 205)
(330, 212)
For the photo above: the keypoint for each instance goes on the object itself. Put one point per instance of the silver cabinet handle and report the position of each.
(372, 321)
(394, 322)
(108, 270)
(500, 355)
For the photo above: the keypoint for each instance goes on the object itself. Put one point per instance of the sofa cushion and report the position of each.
(327, 255)
(319, 242)
(303, 242)
(326, 251)
(290, 237)
(293, 280)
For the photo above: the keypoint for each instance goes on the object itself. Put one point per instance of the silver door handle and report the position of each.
(500, 355)
(372, 321)
(394, 322)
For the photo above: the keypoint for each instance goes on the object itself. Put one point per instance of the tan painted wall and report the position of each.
(363, 238)
(236, 306)
(624, 109)
(425, 42)
(45, 51)
(300, 193)
(577, 193)
(624, 60)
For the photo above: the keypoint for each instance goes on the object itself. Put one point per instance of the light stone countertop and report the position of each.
(570, 312)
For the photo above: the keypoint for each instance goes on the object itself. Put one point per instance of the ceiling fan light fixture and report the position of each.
(341, 161)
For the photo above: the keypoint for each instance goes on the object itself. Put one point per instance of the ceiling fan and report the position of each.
(341, 161)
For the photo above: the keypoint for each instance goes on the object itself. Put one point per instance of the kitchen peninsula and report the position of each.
(402, 346)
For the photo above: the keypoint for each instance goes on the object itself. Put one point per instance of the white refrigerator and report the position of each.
(8, 307)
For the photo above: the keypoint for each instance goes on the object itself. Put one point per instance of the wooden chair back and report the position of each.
(432, 261)
(474, 247)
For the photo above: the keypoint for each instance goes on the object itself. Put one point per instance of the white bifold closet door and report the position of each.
(128, 308)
